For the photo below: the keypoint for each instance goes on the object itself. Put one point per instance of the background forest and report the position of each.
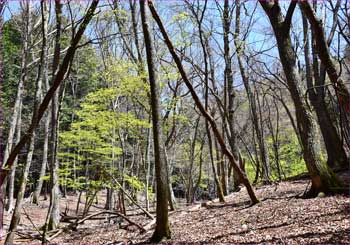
(150, 105)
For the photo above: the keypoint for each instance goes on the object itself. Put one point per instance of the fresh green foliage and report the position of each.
(91, 147)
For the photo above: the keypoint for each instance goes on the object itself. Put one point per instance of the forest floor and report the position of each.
(280, 217)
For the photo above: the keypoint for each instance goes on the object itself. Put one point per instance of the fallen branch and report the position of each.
(130, 198)
(74, 225)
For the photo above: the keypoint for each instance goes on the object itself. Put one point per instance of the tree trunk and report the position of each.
(338, 155)
(199, 179)
(323, 179)
(39, 184)
(38, 90)
(2, 4)
(192, 160)
(162, 229)
(148, 168)
(54, 213)
(219, 192)
(264, 157)
(11, 181)
(15, 119)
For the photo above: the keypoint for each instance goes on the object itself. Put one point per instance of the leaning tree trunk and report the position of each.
(323, 179)
(15, 119)
(162, 229)
(200, 106)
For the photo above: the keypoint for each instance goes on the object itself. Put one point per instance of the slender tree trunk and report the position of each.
(162, 229)
(199, 179)
(148, 168)
(18, 104)
(54, 214)
(275, 137)
(44, 162)
(192, 160)
(11, 184)
(39, 185)
(110, 192)
(219, 192)
(2, 4)
(264, 157)
(38, 91)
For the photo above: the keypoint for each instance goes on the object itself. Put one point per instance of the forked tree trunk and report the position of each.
(338, 153)
(162, 229)
(323, 179)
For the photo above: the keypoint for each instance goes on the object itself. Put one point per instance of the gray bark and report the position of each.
(11, 184)
(17, 211)
(54, 214)
(39, 184)
(263, 152)
(162, 229)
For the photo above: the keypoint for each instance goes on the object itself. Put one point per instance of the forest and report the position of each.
(184, 121)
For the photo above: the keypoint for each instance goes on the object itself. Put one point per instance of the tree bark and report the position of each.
(2, 4)
(323, 179)
(39, 184)
(11, 181)
(54, 213)
(38, 90)
(339, 157)
(15, 119)
(162, 229)
(263, 152)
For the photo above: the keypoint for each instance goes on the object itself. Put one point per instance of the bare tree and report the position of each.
(162, 229)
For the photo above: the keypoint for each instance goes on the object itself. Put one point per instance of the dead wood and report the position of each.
(81, 221)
